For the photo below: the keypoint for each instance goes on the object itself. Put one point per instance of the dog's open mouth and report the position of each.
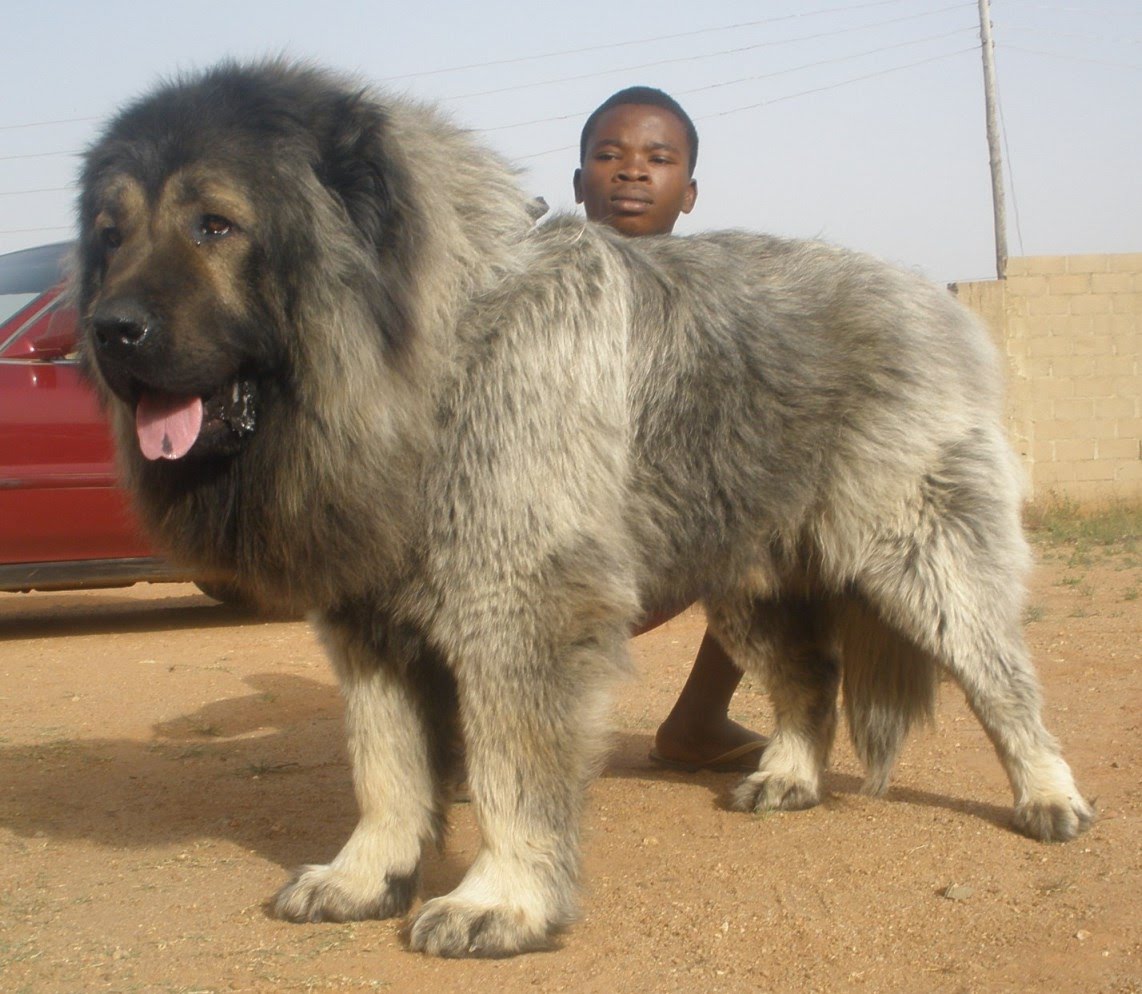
(171, 426)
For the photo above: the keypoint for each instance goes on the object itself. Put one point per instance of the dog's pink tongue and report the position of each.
(167, 425)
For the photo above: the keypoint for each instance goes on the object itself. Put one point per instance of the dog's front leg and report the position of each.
(532, 727)
(375, 874)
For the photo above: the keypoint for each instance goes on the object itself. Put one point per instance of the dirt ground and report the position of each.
(165, 763)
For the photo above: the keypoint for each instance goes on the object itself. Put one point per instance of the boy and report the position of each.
(637, 154)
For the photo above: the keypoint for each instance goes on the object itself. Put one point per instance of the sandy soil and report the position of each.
(164, 764)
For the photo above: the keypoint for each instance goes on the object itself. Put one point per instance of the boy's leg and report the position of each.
(698, 733)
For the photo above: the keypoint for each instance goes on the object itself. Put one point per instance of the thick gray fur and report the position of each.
(485, 448)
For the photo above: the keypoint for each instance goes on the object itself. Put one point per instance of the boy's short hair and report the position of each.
(641, 95)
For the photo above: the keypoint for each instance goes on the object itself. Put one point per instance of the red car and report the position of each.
(64, 521)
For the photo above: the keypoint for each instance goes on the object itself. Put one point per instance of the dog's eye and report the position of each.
(111, 237)
(215, 226)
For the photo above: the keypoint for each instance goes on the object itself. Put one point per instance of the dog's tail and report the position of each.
(888, 684)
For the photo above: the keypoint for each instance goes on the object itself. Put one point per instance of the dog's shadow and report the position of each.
(268, 772)
(630, 758)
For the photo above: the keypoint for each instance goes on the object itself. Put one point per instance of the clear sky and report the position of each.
(858, 122)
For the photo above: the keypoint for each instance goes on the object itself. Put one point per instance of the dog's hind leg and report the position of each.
(399, 773)
(785, 643)
(953, 584)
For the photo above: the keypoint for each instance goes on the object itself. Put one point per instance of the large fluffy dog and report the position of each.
(343, 364)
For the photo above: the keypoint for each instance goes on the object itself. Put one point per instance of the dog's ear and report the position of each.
(357, 167)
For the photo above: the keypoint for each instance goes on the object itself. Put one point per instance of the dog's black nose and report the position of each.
(122, 327)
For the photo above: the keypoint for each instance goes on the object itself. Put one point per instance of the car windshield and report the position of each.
(11, 303)
(25, 275)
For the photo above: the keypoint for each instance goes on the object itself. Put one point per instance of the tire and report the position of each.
(229, 593)
(226, 592)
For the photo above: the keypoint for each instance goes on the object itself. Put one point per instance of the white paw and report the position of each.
(1054, 820)
(449, 926)
(330, 894)
(764, 791)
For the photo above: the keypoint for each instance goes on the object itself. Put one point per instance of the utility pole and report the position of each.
(993, 138)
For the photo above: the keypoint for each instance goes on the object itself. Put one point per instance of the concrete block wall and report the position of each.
(1069, 328)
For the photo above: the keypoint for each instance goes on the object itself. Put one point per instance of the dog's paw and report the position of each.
(448, 926)
(1055, 820)
(763, 791)
(329, 894)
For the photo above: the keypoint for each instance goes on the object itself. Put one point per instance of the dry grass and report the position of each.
(1064, 529)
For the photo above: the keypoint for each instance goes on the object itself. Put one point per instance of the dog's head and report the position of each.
(210, 211)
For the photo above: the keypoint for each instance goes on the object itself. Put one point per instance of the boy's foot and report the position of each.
(727, 747)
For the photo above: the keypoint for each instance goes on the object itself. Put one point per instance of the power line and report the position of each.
(641, 41)
(1101, 39)
(579, 115)
(731, 82)
(845, 82)
(763, 103)
(735, 110)
(727, 51)
(44, 124)
(1055, 8)
(41, 155)
(600, 48)
(1010, 173)
(827, 62)
(26, 193)
(1071, 58)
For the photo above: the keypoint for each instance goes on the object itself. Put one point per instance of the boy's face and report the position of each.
(636, 174)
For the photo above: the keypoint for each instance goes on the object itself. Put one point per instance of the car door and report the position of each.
(59, 501)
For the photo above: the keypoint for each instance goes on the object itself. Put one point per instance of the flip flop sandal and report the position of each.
(740, 759)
